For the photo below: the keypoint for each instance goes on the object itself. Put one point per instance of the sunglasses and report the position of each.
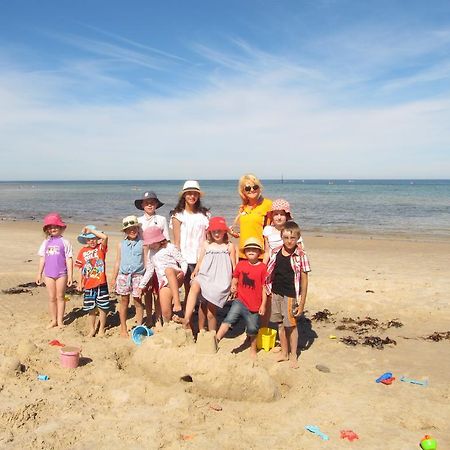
(251, 188)
(131, 223)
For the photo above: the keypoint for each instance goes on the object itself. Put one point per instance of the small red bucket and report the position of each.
(70, 357)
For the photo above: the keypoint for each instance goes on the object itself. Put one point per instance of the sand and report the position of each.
(172, 393)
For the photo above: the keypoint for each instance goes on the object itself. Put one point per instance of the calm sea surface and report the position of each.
(360, 206)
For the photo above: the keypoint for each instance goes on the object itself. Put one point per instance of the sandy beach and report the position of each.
(168, 394)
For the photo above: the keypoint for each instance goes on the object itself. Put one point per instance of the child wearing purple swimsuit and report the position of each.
(56, 264)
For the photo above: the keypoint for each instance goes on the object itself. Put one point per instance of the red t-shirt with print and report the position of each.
(251, 279)
(91, 261)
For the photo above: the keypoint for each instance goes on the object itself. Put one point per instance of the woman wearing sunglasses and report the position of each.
(252, 216)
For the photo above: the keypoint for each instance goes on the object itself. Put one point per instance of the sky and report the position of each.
(209, 89)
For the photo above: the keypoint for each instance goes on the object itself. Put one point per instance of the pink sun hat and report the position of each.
(153, 235)
(280, 204)
(53, 218)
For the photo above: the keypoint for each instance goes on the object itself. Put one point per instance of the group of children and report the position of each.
(269, 283)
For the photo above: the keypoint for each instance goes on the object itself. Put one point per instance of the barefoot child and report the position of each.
(56, 263)
(212, 275)
(129, 270)
(149, 203)
(91, 262)
(248, 288)
(166, 261)
(287, 280)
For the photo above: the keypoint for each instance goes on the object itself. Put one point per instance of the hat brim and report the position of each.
(83, 238)
(201, 193)
(252, 247)
(62, 225)
(138, 203)
(131, 226)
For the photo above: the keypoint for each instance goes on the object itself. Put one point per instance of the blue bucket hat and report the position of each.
(83, 237)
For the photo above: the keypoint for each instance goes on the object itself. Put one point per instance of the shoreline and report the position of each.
(307, 233)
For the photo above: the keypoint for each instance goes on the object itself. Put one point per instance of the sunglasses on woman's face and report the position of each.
(253, 188)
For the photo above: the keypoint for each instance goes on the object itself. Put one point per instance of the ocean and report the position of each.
(375, 207)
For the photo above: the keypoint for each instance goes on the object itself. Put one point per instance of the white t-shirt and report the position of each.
(192, 234)
(155, 221)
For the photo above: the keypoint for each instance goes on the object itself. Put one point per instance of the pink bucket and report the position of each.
(70, 357)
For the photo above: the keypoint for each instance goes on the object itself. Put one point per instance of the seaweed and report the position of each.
(377, 342)
(322, 316)
(438, 336)
(349, 340)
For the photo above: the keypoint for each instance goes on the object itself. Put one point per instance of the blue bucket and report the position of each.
(140, 333)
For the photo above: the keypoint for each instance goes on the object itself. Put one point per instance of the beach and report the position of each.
(167, 394)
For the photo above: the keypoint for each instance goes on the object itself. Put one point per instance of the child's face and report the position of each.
(289, 240)
(191, 197)
(252, 254)
(279, 218)
(132, 233)
(154, 246)
(218, 235)
(149, 206)
(54, 230)
(91, 242)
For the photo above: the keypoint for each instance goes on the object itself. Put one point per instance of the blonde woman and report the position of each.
(252, 216)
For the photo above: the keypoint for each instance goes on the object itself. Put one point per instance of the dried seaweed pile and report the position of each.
(27, 288)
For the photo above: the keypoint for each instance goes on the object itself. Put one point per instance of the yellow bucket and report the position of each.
(266, 338)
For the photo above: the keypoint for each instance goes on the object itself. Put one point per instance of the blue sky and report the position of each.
(214, 89)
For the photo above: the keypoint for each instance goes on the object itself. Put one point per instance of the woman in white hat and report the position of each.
(189, 221)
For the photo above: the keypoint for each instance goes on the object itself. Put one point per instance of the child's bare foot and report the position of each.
(52, 324)
(177, 307)
(91, 333)
(282, 357)
(276, 350)
(253, 355)
(101, 332)
(124, 334)
(293, 362)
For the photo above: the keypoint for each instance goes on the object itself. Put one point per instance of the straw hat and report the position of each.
(252, 242)
(189, 186)
(130, 221)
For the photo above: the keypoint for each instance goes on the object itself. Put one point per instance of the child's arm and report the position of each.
(69, 264)
(149, 271)
(176, 228)
(99, 234)
(165, 228)
(303, 293)
(233, 288)
(233, 256)
(266, 256)
(180, 260)
(40, 270)
(262, 308)
(200, 259)
(116, 266)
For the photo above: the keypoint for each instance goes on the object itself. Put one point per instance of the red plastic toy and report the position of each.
(56, 343)
(388, 380)
(349, 434)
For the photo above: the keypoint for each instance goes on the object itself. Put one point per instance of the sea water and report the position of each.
(376, 207)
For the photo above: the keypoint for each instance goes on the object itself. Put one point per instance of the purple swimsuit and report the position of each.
(54, 252)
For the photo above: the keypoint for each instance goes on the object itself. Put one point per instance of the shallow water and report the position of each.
(359, 206)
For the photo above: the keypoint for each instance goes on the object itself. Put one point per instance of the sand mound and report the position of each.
(160, 360)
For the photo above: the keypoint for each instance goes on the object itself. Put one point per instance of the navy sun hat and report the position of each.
(83, 237)
(148, 195)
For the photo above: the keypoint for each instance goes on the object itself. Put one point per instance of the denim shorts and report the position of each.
(239, 310)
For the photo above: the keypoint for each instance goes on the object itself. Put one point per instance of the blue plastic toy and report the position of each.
(411, 381)
(316, 430)
(139, 333)
(385, 376)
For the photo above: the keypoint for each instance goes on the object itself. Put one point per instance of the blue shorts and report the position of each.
(239, 310)
(97, 297)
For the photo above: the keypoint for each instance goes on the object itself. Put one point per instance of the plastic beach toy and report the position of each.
(140, 333)
(42, 377)
(349, 434)
(316, 430)
(423, 383)
(266, 338)
(385, 376)
(70, 357)
(56, 343)
(428, 443)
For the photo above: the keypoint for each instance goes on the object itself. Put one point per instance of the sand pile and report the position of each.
(171, 356)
